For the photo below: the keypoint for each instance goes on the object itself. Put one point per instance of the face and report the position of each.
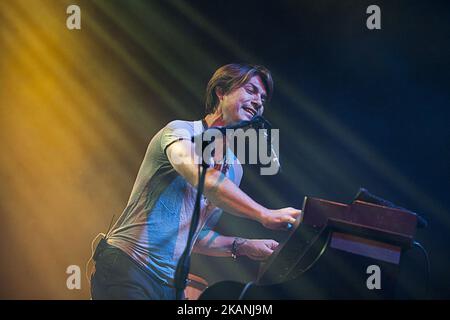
(244, 102)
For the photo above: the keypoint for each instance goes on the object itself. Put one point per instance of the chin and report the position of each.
(245, 117)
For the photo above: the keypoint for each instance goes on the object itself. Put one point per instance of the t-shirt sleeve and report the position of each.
(175, 131)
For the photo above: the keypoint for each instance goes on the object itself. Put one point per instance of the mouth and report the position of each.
(250, 111)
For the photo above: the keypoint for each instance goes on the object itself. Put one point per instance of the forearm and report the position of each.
(214, 244)
(223, 193)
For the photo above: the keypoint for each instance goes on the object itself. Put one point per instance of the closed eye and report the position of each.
(252, 89)
(249, 90)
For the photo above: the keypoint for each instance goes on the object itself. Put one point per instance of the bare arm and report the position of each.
(223, 192)
(213, 244)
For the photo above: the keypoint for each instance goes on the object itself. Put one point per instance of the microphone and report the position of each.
(364, 195)
(256, 122)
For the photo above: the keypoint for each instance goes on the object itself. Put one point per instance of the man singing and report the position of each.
(145, 244)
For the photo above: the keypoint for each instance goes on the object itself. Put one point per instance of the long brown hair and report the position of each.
(233, 76)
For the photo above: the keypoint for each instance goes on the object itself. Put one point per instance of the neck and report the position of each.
(214, 120)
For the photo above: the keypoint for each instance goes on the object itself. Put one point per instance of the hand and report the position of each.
(280, 219)
(257, 249)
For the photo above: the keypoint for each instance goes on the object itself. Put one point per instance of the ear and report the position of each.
(219, 93)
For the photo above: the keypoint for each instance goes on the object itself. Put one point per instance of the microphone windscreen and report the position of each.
(365, 196)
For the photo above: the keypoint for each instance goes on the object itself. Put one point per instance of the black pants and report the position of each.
(118, 276)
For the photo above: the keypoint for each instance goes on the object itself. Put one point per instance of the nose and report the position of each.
(257, 102)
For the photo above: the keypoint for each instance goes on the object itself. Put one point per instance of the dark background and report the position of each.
(387, 88)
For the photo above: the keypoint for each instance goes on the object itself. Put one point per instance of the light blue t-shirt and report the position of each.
(154, 226)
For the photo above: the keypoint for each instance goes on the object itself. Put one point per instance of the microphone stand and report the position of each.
(182, 270)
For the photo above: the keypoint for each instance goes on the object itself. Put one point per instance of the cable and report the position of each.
(425, 253)
(322, 251)
(92, 256)
(103, 235)
(244, 291)
(182, 270)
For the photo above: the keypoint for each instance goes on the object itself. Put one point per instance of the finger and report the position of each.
(273, 244)
(267, 249)
(268, 253)
(288, 219)
(296, 213)
(262, 254)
